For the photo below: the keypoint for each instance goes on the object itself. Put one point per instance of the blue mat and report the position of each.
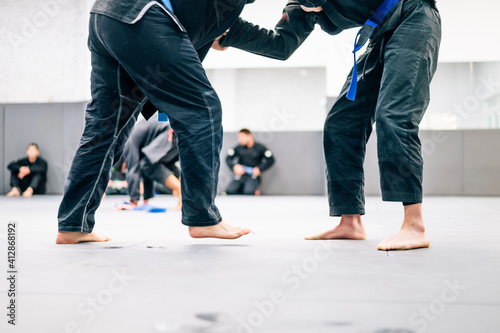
(151, 209)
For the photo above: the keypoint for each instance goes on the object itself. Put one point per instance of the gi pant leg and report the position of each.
(15, 181)
(109, 120)
(250, 185)
(235, 187)
(347, 129)
(152, 59)
(394, 93)
(410, 61)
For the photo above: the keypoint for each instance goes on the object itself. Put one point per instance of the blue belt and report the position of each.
(168, 4)
(364, 34)
(162, 117)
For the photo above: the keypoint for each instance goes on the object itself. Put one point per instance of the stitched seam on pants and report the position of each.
(85, 213)
(212, 128)
(118, 80)
(96, 32)
(116, 134)
(128, 99)
(107, 154)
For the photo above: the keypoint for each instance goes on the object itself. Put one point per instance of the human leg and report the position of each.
(251, 185)
(168, 70)
(15, 186)
(410, 63)
(235, 187)
(347, 129)
(109, 119)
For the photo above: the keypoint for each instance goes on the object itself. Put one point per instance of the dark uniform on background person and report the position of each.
(395, 75)
(146, 56)
(28, 175)
(150, 155)
(247, 161)
(118, 181)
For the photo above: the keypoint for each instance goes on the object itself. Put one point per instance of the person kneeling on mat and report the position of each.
(151, 154)
(247, 161)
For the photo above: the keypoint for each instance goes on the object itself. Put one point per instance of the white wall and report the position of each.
(465, 96)
(43, 50)
(470, 30)
(271, 99)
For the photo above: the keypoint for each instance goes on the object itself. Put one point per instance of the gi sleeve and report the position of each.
(14, 167)
(290, 32)
(232, 158)
(267, 160)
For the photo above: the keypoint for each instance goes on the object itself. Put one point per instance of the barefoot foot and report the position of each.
(13, 193)
(126, 206)
(28, 193)
(405, 239)
(221, 230)
(350, 227)
(79, 237)
(412, 234)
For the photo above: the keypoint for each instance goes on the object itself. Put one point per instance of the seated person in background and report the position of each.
(247, 160)
(150, 155)
(117, 183)
(28, 175)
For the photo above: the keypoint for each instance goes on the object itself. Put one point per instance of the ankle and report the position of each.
(413, 218)
(351, 220)
(416, 224)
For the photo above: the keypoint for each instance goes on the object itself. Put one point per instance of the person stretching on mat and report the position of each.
(146, 56)
(151, 154)
(396, 72)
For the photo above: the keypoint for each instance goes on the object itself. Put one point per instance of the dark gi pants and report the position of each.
(35, 181)
(154, 60)
(244, 185)
(157, 172)
(393, 91)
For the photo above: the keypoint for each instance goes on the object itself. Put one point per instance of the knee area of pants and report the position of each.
(384, 121)
(385, 125)
(403, 119)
